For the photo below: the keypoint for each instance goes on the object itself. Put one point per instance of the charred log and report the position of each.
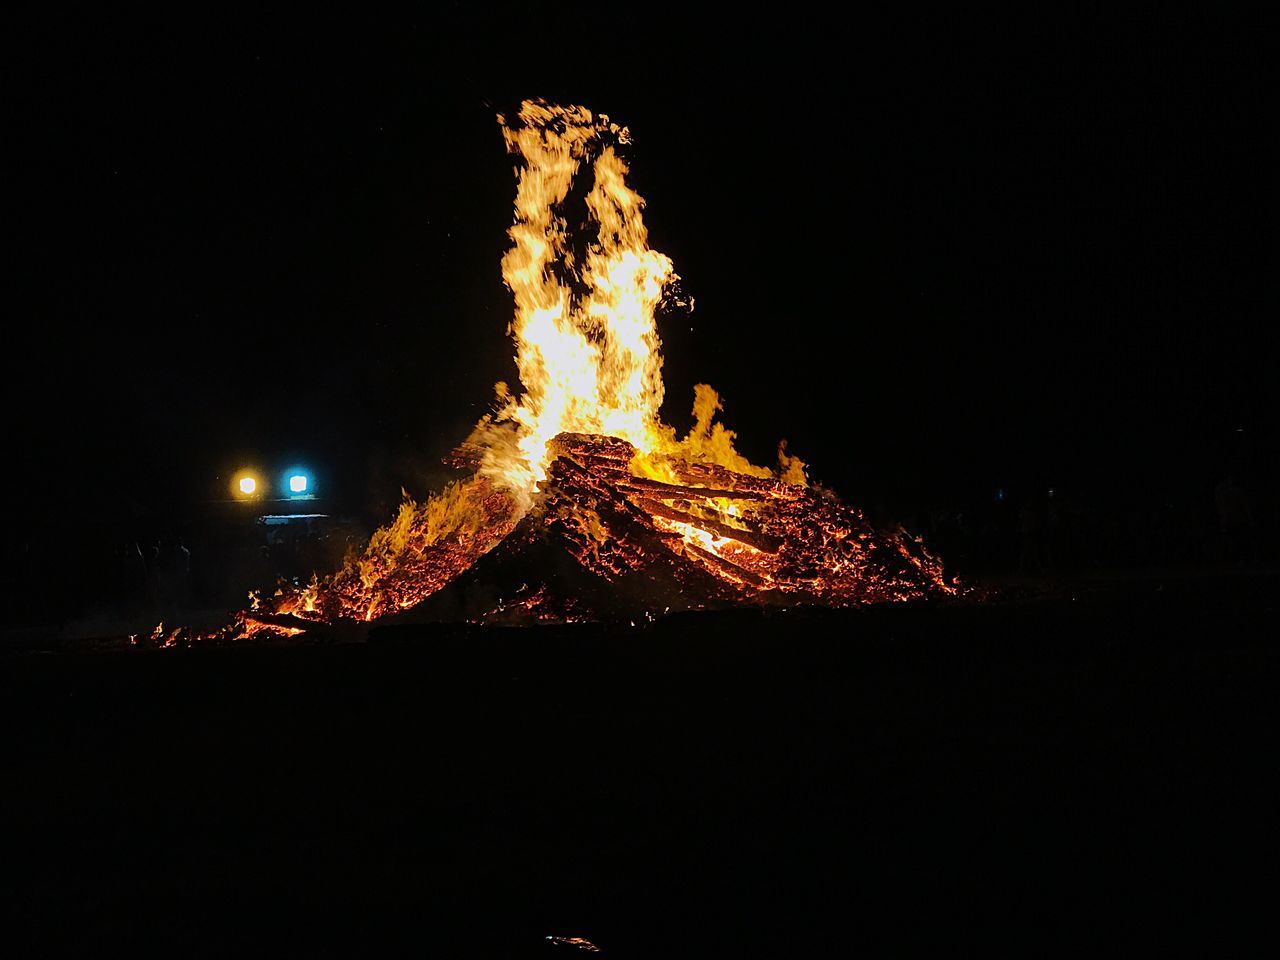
(670, 491)
(760, 541)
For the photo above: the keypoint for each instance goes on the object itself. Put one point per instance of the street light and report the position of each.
(297, 483)
(245, 485)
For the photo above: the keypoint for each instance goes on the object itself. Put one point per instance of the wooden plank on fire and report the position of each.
(672, 491)
(728, 567)
(593, 445)
(721, 477)
(761, 541)
(601, 464)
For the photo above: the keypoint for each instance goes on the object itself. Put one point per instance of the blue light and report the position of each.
(297, 483)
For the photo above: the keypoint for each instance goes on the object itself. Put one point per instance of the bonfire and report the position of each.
(578, 502)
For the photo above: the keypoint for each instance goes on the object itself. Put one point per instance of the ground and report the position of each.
(1092, 767)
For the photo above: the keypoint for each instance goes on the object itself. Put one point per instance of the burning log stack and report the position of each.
(603, 542)
(582, 503)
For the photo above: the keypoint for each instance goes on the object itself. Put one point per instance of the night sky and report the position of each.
(938, 256)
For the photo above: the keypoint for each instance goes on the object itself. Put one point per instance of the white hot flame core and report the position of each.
(587, 346)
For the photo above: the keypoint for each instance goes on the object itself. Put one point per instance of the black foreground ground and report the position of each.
(1094, 768)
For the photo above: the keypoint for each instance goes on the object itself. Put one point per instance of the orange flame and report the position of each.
(590, 363)
(587, 345)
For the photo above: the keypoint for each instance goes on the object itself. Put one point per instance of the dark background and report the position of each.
(940, 255)
(1094, 771)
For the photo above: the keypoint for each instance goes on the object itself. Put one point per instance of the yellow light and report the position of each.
(248, 485)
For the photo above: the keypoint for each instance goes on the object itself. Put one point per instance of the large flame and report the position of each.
(587, 345)
(587, 290)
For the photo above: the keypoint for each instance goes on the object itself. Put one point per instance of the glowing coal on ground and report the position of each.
(578, 501)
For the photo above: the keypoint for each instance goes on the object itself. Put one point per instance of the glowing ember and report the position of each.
(579, 462)
(582, 943)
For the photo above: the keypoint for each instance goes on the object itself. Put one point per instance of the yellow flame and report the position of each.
(587, 351)
(587, 345)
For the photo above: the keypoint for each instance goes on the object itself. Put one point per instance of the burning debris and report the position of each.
(602, 541)
(581, 503)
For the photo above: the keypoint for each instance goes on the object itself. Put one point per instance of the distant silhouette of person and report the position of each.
(165, 575)
(1030, 531)
(135, 583)
(1052, 530)
(151, 559)
(180, 566)
(1235, 520)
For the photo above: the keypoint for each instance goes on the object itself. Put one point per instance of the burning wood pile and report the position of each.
(603, 542)
(581, 502)
(718, 537)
